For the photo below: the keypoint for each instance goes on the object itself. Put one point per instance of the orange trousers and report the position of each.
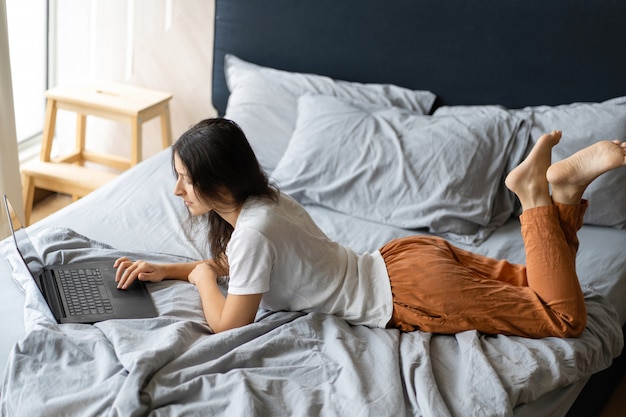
(440, 288)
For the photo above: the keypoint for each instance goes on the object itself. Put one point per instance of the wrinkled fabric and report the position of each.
(440, 288)
(283, 364)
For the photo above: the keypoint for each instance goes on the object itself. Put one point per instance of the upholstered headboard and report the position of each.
(509, 52)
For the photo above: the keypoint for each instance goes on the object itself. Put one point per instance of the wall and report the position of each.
(10, 183)
(160, 44)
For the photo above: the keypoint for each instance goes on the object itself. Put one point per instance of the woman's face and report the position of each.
(185, 190)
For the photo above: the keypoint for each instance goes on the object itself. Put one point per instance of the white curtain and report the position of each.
(10, 180)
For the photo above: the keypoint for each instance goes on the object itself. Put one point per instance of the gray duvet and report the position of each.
(284, 364)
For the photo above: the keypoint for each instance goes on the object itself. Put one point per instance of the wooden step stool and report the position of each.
(117, 102)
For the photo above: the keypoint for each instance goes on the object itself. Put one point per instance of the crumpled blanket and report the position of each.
(283, 364)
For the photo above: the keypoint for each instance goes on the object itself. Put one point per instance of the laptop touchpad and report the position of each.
(133, 291)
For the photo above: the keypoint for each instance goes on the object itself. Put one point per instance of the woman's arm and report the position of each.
(128, 271)
(222, 313)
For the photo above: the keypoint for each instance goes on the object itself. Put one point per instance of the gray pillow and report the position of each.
(400, 168)
(263, 101)
(583, 124)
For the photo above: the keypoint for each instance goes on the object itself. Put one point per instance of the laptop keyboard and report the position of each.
(82, 294)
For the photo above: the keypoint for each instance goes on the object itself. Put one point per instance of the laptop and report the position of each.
(81, 292)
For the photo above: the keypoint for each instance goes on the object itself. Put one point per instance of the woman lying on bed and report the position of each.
(277, 258)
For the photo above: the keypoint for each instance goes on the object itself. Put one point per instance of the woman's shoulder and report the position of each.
(282, 201)
(266, 212)
(256, 209)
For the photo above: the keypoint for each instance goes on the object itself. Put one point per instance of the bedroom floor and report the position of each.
(615, 408)
(49, 205)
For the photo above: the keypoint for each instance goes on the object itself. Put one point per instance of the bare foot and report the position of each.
(571, 176)
(528, 180)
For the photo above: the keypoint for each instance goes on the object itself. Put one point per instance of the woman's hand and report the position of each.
(128, 271)
(202, 271)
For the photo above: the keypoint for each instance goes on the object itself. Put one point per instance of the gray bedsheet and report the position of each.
(285, 363)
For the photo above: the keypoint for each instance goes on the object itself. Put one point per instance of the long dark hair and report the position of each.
(217, 155)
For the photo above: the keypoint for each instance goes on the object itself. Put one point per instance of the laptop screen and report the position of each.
(24, 246)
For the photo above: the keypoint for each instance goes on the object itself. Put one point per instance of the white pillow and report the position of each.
(263, 101)
(399, 168)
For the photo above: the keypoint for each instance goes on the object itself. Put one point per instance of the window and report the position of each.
(27, 28)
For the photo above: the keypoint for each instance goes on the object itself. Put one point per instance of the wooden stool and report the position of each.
(117, 102)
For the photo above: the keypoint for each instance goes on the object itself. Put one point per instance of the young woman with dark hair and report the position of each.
(222, 171)
(276, 256)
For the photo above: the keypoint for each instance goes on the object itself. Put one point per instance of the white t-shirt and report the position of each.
(277, 249)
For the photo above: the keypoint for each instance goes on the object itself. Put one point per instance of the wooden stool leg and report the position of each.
(135, 132)
(48, 130)
(166, 127)
(81, 122)
(28, 192)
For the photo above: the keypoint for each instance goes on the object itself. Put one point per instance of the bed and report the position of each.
(384, 119)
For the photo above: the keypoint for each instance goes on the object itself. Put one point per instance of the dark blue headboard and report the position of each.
(510, 52)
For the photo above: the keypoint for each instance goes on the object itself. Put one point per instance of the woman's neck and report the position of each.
(230, 214)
